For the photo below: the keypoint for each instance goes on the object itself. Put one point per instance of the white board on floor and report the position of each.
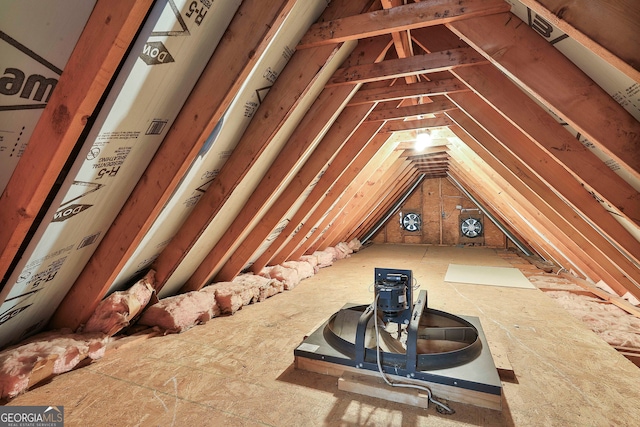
(484, 275)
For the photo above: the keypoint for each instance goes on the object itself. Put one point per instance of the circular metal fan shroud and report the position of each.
(444, 340)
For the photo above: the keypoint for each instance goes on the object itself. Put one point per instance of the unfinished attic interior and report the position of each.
(215, 212)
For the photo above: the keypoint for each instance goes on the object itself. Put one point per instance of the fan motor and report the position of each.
(393, 292)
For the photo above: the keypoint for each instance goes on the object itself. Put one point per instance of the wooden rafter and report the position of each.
(495, 196)
(272, 114)
(299, 146)
(408, 149)
(289, 89)
(470, 59)
(503, 219)
(396, 126)
(359, 209)
(401, 38)
(333, 142)
(341, 171)
(228, 251)
(428, 157)
(540, 231)
(374, 209)
(598, 221)
(349, 150)
(354, 191)
(477, 164)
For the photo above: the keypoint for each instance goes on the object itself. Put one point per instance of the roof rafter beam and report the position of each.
(598, 222)
(344, 188)
(510, 195)
(341, 133)
(287, 92)
(432, 166)
(362, 209)
(231, 252)
(436, 166)
(436, 153)
(348, 151)
(437, 122)
(375, 210)
(401, 40)
(490, 189)
(409, 151)
(430, 161)
(399, 18)
(492, 211)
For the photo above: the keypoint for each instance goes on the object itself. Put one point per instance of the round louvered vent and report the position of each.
(411, 222)
(471, 227)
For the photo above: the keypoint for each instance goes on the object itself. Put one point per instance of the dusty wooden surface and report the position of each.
(238, 370)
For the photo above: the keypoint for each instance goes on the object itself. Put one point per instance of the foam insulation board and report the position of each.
(243, 191)
(33, 57)
(222, 141)
(167, 58)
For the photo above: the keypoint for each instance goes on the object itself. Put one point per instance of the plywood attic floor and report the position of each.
(238, 370)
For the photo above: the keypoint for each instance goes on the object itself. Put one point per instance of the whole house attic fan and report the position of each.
(411, 222)
(406, 345)
(471, 227)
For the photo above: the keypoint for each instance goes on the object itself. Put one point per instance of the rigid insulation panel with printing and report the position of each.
(220, 144)
(235, 203)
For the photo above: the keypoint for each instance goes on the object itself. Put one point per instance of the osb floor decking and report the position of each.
(238, 370)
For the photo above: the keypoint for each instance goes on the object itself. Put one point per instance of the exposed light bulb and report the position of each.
(423, 140)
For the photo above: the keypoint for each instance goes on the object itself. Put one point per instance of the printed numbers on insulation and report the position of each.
(199, 12)
(111, 172)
